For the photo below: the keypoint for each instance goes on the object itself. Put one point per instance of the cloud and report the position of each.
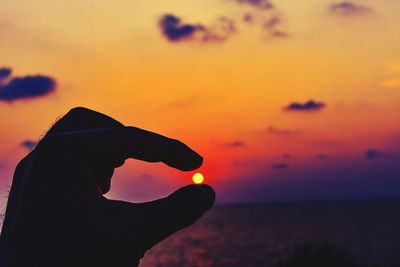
(279, 166)
(252, 12)
(185, 101)
(310, 105)
(271, 23)
(278, 131)
(271, 26)
(174, 30)
(25, 87)
(261, 4)
(349, 9)
(29, 145)
(373, 154)
(322, 157)
(5, 73)
(235, 144)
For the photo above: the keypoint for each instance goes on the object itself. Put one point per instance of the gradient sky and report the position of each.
(297, 99)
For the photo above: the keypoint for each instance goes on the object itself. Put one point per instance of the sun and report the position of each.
(198, 178)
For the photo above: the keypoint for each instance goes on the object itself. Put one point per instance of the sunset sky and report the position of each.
(285, 100)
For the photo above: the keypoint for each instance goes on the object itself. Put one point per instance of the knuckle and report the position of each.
(77, 111)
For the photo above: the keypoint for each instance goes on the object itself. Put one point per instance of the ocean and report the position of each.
(324, 234)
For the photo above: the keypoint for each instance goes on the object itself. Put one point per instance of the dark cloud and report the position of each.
(373, 154)
(235, 144)
(29, 144)
(348, 9)
(5, 73)
(310, 105)
(279, 166)
(174, 30)
(25, 87)
(258, 12)
(261, 4)
(278, 131)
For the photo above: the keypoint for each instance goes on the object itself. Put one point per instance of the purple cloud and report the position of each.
(348, 9)
(174, 30)
(5, 73)
(271, 26)
(29, 145)
(261, 4)
(24, 87)
(310, 105)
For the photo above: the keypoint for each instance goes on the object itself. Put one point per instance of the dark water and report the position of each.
(367, 231)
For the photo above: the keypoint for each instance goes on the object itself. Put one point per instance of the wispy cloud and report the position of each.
(261, 4)
(279, 166)
(272, 27)
(349, 9)
(234, 144)
(15, 88)
(264, 14)
(279, 131)
(185, 101)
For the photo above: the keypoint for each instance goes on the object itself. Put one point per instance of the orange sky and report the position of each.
(112, 57)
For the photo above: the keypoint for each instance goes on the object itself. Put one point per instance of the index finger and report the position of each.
(112, 145)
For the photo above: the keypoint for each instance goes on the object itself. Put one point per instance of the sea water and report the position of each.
(366, 231)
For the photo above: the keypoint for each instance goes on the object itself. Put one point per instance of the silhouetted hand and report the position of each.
(57, 214)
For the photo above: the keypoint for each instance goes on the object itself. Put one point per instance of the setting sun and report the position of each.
(198, 178)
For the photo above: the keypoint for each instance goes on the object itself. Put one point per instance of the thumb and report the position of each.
(182, 208)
